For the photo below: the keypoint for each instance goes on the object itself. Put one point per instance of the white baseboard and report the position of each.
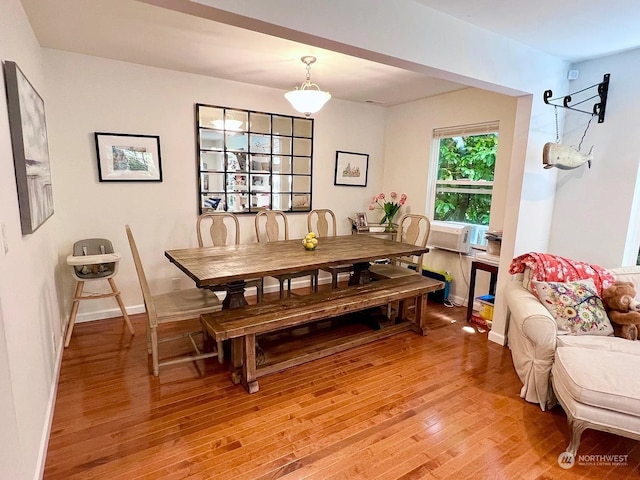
(107, 313)
(497, 338)
(48, 417)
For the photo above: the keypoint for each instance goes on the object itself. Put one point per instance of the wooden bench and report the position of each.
(241, 325)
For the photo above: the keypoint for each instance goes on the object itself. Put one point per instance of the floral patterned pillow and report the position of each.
(575, 305)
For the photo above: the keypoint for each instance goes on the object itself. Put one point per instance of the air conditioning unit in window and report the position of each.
(450, 236)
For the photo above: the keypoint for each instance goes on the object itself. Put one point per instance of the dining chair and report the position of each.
(271, 226)
(93, 259)
(173, 307)
(322, 221)
(223, 228)
(414, 229)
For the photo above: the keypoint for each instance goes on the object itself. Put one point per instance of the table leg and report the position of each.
(485, 267)
(249, 381)
(492, 284)
(472, 289)
(360, 274)
(235, 295)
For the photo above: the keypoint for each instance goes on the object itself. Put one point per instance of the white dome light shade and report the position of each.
(307, 99)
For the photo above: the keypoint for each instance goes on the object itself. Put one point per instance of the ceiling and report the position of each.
(137, 32)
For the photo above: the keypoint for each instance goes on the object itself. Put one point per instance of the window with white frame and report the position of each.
(462, 178)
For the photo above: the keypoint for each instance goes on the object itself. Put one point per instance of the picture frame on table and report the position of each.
(28, 129)
(351, 169)
(361, 220)
(124, 157)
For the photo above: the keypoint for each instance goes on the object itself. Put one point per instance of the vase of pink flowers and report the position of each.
(390, 207)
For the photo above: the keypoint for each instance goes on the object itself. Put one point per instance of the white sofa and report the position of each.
(596, 379)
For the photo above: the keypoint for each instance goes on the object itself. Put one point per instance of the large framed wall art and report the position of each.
(29, 140)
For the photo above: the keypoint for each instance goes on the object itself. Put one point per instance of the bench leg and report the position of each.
(249, 381)
(235, 365)
(421, 308)
(401, 314)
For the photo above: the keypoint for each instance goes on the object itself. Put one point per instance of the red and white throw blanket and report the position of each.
(552, 268)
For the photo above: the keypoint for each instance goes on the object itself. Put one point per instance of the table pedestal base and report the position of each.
(235, 295)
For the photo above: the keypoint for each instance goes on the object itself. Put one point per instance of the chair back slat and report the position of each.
(322, 221)
(268, 226)
(413, 229)
(218, 231)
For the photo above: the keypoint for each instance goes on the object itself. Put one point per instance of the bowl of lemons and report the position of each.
(310, 241)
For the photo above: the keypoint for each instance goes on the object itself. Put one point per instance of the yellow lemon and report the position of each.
(314, 241)
(312, 234)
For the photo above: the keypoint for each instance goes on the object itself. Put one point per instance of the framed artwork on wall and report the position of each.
(28, 128)
(351, 169)
(124, 157)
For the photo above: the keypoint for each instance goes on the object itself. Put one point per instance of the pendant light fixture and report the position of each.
(307, 99)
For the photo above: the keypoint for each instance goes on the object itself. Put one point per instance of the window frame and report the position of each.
(478, 240)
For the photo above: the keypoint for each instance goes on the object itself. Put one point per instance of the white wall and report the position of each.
(29, 324)
(89, 94)
(595, 218)
(407, 167)
(84, 94)
(412, 36)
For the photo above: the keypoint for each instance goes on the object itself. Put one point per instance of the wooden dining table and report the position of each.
(231, 265)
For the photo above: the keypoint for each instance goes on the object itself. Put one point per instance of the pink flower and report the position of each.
(402, 201)
(381, 196)
(394, 194)
(375, 197)
(403, 197)
(372, 207)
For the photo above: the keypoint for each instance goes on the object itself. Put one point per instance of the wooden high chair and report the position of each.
(93, 259)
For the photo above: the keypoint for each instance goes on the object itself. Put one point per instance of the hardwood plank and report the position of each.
(442, 406)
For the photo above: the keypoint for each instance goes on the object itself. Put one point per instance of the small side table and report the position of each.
(486, 267)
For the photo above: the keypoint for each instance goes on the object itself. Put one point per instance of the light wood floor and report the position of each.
(407, 407)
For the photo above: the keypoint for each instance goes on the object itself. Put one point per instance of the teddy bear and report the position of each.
(623, 309)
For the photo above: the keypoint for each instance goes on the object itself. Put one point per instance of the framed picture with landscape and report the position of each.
(124, 157)
(351, 169)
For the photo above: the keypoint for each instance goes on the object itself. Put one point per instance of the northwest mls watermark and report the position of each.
(567, 460)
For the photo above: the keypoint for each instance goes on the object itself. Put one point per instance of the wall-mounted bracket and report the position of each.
(599, 108)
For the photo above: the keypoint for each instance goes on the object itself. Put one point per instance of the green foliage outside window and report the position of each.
(469, 159)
